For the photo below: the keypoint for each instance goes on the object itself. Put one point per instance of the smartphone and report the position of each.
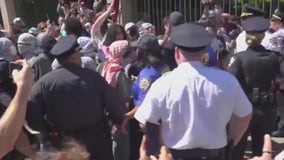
(13, 66)
(153, 139)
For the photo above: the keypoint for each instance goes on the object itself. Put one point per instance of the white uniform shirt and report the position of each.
(195, 103)
(274, 42)
(241, 44)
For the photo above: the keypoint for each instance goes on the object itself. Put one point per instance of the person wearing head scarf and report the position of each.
(88, 62)
(114, 73)
(89, 49)
(42, 63)
(27, 46)
(115, 32)
(111, 69)
(8, 51)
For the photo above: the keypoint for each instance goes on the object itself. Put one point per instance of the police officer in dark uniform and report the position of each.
(280, 102)
(70, 102)
(247, 12)
(256, 69)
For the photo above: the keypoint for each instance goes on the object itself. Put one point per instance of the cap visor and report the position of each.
(274, 19)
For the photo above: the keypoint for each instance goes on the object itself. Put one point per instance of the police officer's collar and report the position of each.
(68, 65)
(192, 63)
(256, 48)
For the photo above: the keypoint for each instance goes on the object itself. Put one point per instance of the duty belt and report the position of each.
(262, 99)
(197, 153)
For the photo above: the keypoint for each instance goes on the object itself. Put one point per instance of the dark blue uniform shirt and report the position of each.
(146, 77)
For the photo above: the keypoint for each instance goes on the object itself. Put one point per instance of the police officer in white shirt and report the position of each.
(195, 103)
(276, 32)
(248, 11)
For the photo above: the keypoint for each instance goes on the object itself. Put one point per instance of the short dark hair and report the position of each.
(222, 53)
(73, 26)
(151, 58)
(190, 49)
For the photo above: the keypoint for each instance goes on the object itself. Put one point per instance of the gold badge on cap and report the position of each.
(205, 58)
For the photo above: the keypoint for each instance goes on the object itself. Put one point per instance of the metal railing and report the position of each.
(155, 10)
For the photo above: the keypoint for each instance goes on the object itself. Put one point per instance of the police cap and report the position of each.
(65, 46)
(249, 11)
(190, 35)
(255, 24)
(278, 15)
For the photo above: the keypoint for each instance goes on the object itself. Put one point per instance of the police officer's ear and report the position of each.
(177, 53)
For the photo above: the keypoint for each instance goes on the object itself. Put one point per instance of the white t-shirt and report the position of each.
(274, 41)
(194, 103)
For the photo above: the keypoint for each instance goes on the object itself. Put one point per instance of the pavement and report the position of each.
(277, 147)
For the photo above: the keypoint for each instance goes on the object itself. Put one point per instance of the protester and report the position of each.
(114, 73)
(62, 8)
(175, 19)
(27, 46)
(99, 27)
(114, 33)
(41, 64)
(88, 62)
(18, 27)
(88, 48)
(131, 31)
(8, 51)
(147, 29)
(73, 26)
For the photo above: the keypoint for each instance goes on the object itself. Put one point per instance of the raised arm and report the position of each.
(100, 20)
(13, 119)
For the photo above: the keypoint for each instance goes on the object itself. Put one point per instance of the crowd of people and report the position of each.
(91, 88)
